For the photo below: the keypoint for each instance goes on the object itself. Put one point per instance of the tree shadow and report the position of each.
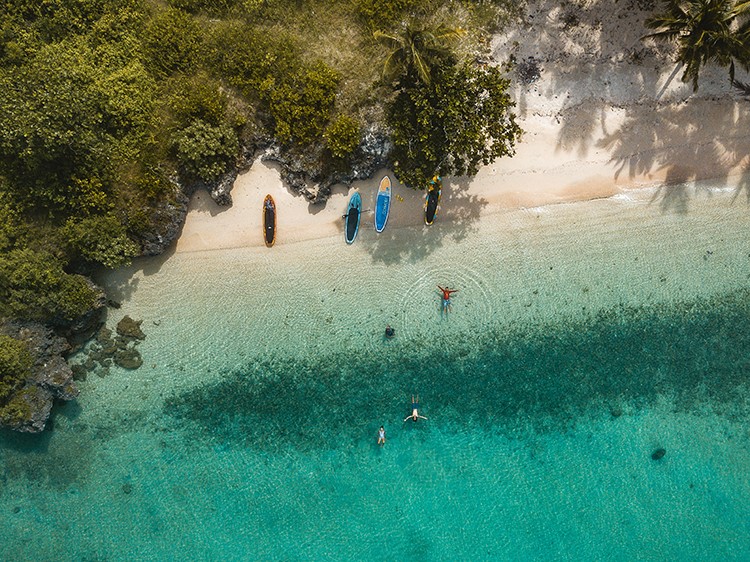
(681, 143)
(592, 58)
(123, 282)
(201, 202)
(743, 185)
(458, 212)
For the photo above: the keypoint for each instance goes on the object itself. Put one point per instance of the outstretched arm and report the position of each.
(420, 416)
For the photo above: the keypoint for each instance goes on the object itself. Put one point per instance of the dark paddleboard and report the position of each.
(269, 221)
(352, 215)
(432, 201)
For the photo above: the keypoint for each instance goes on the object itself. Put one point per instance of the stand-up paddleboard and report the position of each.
(352, 215)
(269, 221)
(432, 200)
(383, 204)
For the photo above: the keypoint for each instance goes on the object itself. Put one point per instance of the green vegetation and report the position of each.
(15, 364)
(418, 50)
(15, 367)
(102, 102)
(461, 120)
(342, 136)
(705, 31)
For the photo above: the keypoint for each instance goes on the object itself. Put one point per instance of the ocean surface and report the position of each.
(583, 338)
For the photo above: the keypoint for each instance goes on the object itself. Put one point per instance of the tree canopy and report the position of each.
(705, 31)
(459, 121)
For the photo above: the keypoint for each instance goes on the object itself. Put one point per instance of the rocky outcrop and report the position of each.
(51, 377)
(107, 349)
(79, 330)
(167, 220)
(130, 329)
(312, 173)
(658, 454)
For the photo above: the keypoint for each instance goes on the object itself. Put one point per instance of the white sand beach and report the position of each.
(607, 114)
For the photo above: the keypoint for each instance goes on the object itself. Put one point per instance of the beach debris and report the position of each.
(658, 454)
(528, 70)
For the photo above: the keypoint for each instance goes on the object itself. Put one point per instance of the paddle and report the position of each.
(365, 211)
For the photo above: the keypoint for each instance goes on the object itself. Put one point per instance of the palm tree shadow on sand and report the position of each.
(457, 217)
(680, 144)
(665, 133)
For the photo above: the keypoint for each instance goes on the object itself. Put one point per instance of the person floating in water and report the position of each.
(415, 416)
(389, 332)
(447, 297)
(381, 436)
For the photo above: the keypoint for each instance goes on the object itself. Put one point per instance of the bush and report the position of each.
(248, 59)
(385, 14)
(197, 97)
(15, 365)
(301, 106)
(213, 7)
(173, 42)
(34, 286)
(204, 150)
(342, 136)
(17, 410)
(101, 239)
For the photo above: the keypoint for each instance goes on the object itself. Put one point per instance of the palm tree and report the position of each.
(417, 49)
(705, 31)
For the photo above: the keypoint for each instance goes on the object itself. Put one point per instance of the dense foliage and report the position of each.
(103, 102)
(15, 363)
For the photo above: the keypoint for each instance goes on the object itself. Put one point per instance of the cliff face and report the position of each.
(51, 377)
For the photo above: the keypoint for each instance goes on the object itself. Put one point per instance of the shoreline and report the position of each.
(545, 170)
(603, 113)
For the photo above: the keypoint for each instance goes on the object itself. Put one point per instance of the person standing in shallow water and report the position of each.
(415, 416)
(381, 436)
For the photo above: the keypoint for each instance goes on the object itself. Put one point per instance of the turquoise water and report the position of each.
(578, 345)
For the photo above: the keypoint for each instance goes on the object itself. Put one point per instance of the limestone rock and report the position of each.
(51, 377)
(130, 329)
(128, 358)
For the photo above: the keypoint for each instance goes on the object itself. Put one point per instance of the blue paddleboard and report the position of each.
(383, 204)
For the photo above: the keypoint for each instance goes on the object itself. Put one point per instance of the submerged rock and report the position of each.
(131, 329)
(128, 358)
(658, 453)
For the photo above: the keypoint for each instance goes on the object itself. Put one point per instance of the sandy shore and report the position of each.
(604, 116)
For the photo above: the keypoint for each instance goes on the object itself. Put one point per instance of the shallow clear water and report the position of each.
(583, 337)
